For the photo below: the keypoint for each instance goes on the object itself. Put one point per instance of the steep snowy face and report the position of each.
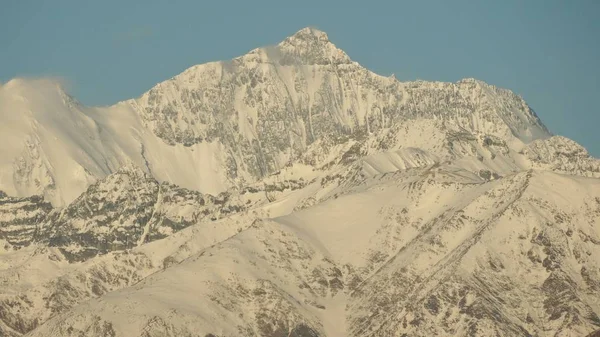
(305, 87)
(48, 145)
(269, 106)
(53, 146)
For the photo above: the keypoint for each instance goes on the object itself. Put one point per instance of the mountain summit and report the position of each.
(310, 34)
(310, 46)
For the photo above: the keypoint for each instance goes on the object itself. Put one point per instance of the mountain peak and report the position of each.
(311, 33)
(311, 46)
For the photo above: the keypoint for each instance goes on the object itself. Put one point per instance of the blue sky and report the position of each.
(547, 51)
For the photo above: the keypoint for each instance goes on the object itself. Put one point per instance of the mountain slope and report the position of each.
(469, 268)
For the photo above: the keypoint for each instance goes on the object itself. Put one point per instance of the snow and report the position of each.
(380, 163)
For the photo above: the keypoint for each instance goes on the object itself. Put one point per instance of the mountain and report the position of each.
(226, 124)
(292, 192)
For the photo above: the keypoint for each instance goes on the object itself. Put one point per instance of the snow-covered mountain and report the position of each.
(226, 124)
(292, 192)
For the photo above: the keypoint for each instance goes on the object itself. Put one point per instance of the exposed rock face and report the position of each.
(268, 106)
(125, 210)
(20, 218)
(563, 155)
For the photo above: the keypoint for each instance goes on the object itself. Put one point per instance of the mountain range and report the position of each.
(292, 192)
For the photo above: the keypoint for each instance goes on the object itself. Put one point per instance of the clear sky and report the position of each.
(547, 51)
